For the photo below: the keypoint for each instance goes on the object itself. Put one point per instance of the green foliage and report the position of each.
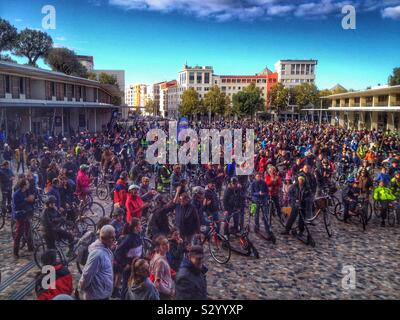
(32, 44)
(306, 95)
(248, 101)
(279, 96)
(8, 35)
(394, 78)
(151, 107)
(216, 101)
(65, 60)
(105, 78)
(190, 102)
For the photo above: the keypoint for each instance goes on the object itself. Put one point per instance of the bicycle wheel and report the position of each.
(377, 209)
(332, 202)
(328, 223)
(391, 216)
(40, 249)
(95, 211)
(83, 225)
(339, 213)
(102, 191)
(2, 219)
(147, 248)
(369, 211)
(220, 248)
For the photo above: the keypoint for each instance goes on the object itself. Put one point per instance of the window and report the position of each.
(21, 85)
(398, 97)
(238, 80)
(223, 80)
(228, 80)
(233, 80)
(198, 88)
(199, 77)
(7, 79)
(283, 67)
(53, 89)
(382, 98)
(357, 100)
(229, 88)
(191, 77)
(206, 89)
(207, 77)
(223, 88)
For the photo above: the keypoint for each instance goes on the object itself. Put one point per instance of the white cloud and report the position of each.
(18, 20)
(61, 38)
(224, 10)
(391, 12)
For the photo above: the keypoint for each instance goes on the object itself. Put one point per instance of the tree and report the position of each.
(32, 44)
(190, 102)
(92, 76)
(394, 78)
(215, 101)
(105, 78)
(247, 101)
(279, 97)
(6, 57)
(8, 35)
(151, 107)
(65, 60)
(306, 94)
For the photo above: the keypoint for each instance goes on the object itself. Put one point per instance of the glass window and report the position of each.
(8, 84)
(21, 85)
(199, 77)
(223, 88)
(53, 89)
(233, 80)
(223, 80)
(239, 80)
(191, 77)
(207, 77)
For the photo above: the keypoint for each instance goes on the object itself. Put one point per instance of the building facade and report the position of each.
(164, 106)
(377, 108)
(294, 72)
(48, 102)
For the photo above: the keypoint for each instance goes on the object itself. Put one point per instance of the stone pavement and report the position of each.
(287, 270)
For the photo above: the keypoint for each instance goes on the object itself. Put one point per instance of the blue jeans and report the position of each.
(264, 208)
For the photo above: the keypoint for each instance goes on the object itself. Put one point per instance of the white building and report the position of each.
(129, 96)
(295, 72)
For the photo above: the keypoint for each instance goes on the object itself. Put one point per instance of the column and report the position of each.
(390, 121)
(95, 119)
(341, 119)
(374, 120)
(350, 119)
(62, 121)
(30, 119)
(361, 124)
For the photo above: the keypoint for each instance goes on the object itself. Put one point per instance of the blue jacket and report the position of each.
(6, 179)
(385, 177)
(19, 204)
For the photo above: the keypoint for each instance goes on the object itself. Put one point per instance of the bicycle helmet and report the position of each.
(50, 199)
(350, 180)
(123, 175)
(84, 167)
(198, 189)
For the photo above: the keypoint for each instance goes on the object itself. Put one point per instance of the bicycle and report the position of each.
(3, 215)
(360, 212)
(218, 244)
(321, 205)
(247, 247)
(393, 212)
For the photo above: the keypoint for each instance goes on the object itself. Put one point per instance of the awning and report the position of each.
(361, 109)
(55, 104)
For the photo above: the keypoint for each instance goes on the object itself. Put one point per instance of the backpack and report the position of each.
(83, 247)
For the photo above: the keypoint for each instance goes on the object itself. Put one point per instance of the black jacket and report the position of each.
(191, 283)
(158, 221)
(233, 199)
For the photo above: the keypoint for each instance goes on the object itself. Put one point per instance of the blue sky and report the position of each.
(152, 39)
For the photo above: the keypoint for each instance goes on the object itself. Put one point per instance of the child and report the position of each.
(117, 222)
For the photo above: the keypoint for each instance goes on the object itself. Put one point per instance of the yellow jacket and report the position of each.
(18, 154)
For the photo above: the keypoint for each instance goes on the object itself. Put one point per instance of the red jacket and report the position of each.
(133, 207)
(273, 186)
(82, 183)
(63, 284)
(120, 193)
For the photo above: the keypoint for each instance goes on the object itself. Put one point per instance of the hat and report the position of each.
(301, 178)
(198, 189)
(133, 186)
(196, 251)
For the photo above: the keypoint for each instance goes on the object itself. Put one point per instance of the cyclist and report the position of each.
(164, 179)
(211, 201)
(22, 211)
(383, 195)
(259, 195)
(232, 201)
(83, 182)
(395, 184)
(120, 190)
(52, 221)
(274, 183)
(350, 196)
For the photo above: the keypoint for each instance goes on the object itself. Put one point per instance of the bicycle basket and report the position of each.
(321, 203)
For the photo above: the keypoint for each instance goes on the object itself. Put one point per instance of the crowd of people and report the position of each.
(295, 163)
